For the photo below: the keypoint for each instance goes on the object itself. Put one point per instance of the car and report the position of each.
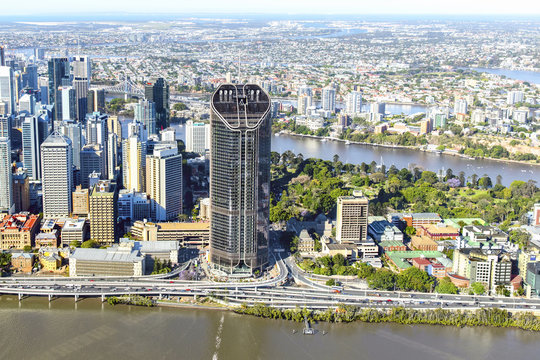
(171, 282)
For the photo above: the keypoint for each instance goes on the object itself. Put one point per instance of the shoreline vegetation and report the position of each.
(409, 147)
(136, 300)
(399, 315)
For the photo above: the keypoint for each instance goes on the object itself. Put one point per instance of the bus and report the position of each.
(337, 289)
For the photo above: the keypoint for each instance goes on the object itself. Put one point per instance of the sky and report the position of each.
(404, 7)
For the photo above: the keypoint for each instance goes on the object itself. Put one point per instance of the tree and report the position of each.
(446, 286)
(90, 244)
(478, 288)
(339, 260)
(382, 279)
(500, 289)
(331, 282)
(27, 248)
(74, 243)
(409, 230)
(179, 106)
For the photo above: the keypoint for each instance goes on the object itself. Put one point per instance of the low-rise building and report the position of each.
(22, 262)
(187, 234)
(418, 219)
(381, 229)
(74, 230)
(438, 232)
(392, 245)
(50, 262)
(18, 231)
(485, 233)
(489, 267)
(47, 239)
(306, 243)
(114, 261)
(532, 278)
(423, 243)
(164, 251)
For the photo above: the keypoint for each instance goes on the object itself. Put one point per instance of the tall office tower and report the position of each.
(305, 90)
(114, 126)
(134, 163)
(103, 201)
(460, 106)
(97, 133)
(514, 96)
(7, 88)
(73, 131)
(30, 77)
(158, 92)
(82, 72)
(239, 177)
(2, 55)
(81, 98)
(82, 68)
(31, 141)
(4, 108)
(329, 98)
(112, 157)
(96, 100)
(354, 103)
(69, 103)
(21, 190)
(80, 201)
(39, 54)
(352, 219)
(6, 125)
(304, 102)
(27, 104)
(59, 75)
(164, 182)
(168, 135)
(43, 95)
(6, 184)
(197, 137)
(57, 182)
(145, 113)
(92, 160)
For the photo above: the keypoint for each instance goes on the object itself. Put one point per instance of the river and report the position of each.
(401, 158)
(530, 76)
(88, 329)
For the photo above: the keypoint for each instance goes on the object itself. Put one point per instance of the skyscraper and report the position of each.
(27, 104)
(92, 160)
(59, 75)
(95, 101)
(145, 112)
(103, 211)
(69, 103)
(352, 219)
(2, 55)
(57, 182)
(197, 137)
(112, 156)
(239, 177)
(97, 133)
(31, 142)
(73, 131)
(329, 98)
(81, 98)
(30, 77)
(164, 182)
(134, 163)
(354, 103)
(6, 185)
(6, 123)
(7, 88)
(304, 102)
(158, 92)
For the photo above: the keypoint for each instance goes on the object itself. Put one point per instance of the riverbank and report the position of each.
(400, 315)
(415, 148)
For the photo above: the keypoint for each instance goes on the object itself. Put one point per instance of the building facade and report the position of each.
(239, 177)
(352, 219)
(103, 212)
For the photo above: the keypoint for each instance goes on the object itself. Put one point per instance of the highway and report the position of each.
(273, 291)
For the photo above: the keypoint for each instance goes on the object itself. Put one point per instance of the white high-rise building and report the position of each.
(81, 68)
(354, 103)
(197, 137)
(460, 106)
(305, 90)
(97, 133)
(7, 88)
(31, 147)
(304, 102)
(69, 103)
(27, 104)
(168, 135)
(329, 98)
(57, 182)
(164, 182)
(73, 131)
(6, 185)
(145, 113)
(92, 160)
(514, 96)
(134, 163)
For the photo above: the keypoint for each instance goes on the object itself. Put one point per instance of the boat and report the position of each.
(324, 140)
(347, 142)
(276, 134)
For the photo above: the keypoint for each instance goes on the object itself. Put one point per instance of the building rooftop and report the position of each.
(398, 257)
(170, 226)
(438, 229)
(151, 246)
(21, 222)
(74, 224)
(113, 254)
(422, 240)
(388, 243)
